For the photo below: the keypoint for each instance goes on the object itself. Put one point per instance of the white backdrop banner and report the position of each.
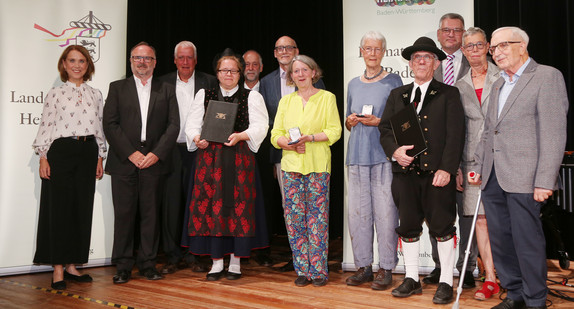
(401, 22)
(33, 34)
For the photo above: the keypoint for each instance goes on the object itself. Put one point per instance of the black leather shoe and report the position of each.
(81, 278)
(443, 294)
(232, 276)
(319, 281)
(302, 281)
(383, 280)
(468, 282)
(214, 276)
(263, 260)
(563, 259)
(364, 274)
(58, 285)
(169, 268)
(287, 267)
(433, 277)
(407, 288)
(122, 276)
(508, 303)
(538, 307)
(151, 274)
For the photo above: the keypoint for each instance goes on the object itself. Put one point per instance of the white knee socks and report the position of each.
(446, 256)
(411, 257)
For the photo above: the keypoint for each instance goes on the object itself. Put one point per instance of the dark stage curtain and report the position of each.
(317, 26)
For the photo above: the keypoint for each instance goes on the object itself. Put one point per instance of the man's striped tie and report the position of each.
(449, 73)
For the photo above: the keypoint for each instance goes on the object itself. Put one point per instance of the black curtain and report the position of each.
(317, 26)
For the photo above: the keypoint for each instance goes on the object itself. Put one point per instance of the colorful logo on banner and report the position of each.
(86, 32)
(392, 3)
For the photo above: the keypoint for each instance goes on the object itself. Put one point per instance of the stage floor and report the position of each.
(260, 287)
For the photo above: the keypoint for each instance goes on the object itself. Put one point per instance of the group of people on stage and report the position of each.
(497, 128)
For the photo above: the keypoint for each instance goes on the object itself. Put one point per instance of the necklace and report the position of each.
(478, 74)
(375, 76)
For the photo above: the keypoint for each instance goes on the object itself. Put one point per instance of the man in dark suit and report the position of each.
(423, 186)
(273, 88)
(454, 67)
(187, 82)
(141, 123)
(519, 158)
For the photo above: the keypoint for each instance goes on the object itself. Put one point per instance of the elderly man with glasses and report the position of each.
(519, 157)
(423, 184)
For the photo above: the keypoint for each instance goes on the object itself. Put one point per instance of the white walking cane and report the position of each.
(466, 253)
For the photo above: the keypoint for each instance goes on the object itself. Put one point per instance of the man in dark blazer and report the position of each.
(187, 81)
(449, 35)
(519, 158)
(273, 87)
(141, 123)
(424, 186)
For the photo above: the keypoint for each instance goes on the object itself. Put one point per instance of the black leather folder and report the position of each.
(218, 121)
(407, 130)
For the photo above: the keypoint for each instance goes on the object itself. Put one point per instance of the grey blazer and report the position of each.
(474, 116)
(474, 111)
(526, 143)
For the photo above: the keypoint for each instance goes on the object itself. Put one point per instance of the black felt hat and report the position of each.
(423, 44)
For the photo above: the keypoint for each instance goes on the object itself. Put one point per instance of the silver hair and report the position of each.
(472, 31)
(451, 16)
(374, 35)
(184, 44)
(258, 55)
(516, 33)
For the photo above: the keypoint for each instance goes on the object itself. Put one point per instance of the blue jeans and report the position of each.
(370, 206)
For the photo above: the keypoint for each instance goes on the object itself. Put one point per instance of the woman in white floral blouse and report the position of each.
(71, 146)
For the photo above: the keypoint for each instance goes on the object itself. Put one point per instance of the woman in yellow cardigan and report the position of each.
(306, 124)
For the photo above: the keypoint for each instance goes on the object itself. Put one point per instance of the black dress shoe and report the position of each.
(122, 276)
(508, 303)
(150, 273)
(433, 277)
(443, 294)
(287, 267)
(468, 282)
(364, 274)
(232, 276)
(58, 285)
(302, 281)
(319, 281)
(538, 307)
(214, 276)
(563, 259)
(81, 278)
(169, 268)
(408, 288)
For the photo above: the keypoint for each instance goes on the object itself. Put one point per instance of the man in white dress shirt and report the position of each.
(187, 82)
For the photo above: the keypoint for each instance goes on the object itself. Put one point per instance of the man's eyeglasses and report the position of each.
(228, 71)
(470, 46)
(502, 46)
(288, 48)
(449, 30)
(426, 57)
(369, 50)
(146, 59)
